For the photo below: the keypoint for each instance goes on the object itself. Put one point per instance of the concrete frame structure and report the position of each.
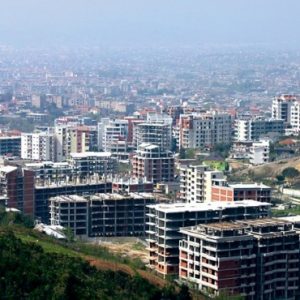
(258, 259)
(104, 215)
(165, 221)
(10, 145)
(259, 152)
(153, 163)
(241, 191)
(70, 212)
(159, 134)
(119, 214)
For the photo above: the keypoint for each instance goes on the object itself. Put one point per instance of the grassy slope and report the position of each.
(96, 255)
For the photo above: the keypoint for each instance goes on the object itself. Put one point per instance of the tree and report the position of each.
(69, 234)
(280, 178)
(290, 172)
(190, 153)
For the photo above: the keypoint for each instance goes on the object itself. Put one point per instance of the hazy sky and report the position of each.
(148, 22)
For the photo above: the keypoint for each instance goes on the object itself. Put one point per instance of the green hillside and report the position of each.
(34, 266)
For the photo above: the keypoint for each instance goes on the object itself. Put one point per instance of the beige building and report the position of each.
(196, 182)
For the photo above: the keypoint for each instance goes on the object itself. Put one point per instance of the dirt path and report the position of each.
(107, 265)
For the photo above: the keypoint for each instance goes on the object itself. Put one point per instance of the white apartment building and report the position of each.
(74, 139)
(260, 152)
(254, 128)
(295, 117)
(196, 183)
(112, 135)
(38, 146)
(282, 107)
(63, 144)
(200, 130)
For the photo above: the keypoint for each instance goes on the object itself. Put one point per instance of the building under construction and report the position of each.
(107, 214)
(165, 221)
(257, 259)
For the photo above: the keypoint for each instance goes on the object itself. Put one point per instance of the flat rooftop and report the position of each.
(292, 219)
(264, 222)
(7, 169)
(90, 154)
(190, 207)
(117, 196)
(249, 185)
(42, 185)
(15, 137)
(224, 226)
(47, 164)
(69, 198)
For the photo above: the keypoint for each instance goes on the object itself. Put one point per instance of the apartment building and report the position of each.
(218, 258)
(38, 146)
(42, 193)
(113, 135)
(174, 112)
(295, 116)
(29, 188)
(258, 259)
(102, 215)
(17, 186)
(196, 182)
(70, 212)
(204, 130)
(10, 145)
(282, 107)
(83, 139)
(278, 258)
(241, 191)
(153, 163)
(131, 185)
(119, 214)
(259, 152)
(79, 139)
(63, 146)
(93, 163)
(255, 128)
(132, 127)
(165, 221)
(159, 134)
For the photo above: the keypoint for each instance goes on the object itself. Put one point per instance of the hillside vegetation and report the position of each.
(28, 272)
(34, 266)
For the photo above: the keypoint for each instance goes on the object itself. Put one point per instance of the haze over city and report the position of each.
(150, 149)
(148, 23)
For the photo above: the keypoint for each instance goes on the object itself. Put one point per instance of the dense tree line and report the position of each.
(27, 272)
